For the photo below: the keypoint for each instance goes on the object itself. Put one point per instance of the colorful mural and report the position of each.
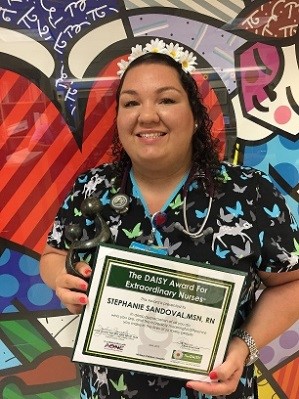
(57, 79)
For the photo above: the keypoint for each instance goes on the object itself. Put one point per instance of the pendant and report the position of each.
(159, 219)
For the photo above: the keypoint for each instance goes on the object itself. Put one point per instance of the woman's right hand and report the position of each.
(71, 290)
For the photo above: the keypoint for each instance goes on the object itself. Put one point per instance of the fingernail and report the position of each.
(83, 300)
(87, 272)
(188, 385)
(83, 286)
(213, 375)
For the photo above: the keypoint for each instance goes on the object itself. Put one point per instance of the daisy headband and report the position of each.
(184, 57)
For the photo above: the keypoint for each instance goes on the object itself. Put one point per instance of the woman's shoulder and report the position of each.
(105, 170)
(94, 180)
(228, 171)
(242, 177)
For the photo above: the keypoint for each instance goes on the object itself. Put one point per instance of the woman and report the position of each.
(165, 150)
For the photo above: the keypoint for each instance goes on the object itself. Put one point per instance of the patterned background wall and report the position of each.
(57, 79)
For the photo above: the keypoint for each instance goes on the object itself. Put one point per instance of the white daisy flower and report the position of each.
(123, 65)
(188, 61)
(174, 50)
(155, 46)
(136, 52)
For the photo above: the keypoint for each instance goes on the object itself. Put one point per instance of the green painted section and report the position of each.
(25, 338)
(11, 391)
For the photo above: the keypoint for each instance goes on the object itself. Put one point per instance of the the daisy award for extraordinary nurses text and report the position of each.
(157, 315)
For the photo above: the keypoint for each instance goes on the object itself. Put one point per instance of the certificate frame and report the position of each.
(158, 315)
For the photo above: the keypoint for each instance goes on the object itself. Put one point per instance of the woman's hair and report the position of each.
(205, 148)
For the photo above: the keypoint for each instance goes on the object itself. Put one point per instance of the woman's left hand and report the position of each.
(224, 378)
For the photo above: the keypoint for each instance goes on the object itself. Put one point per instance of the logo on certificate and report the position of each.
(114, 346)
(187, 356)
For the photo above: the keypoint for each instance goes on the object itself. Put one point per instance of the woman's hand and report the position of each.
(225, 378)
(71, 290)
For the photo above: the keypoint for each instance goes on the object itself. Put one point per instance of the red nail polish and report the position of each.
(83, 287)
(83, 300)
(87, 273)
(213, 375)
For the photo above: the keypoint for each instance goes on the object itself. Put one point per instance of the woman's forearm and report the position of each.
(276, 310)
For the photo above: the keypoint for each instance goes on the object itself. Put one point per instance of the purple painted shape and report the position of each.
(267, 354)
(289, 339)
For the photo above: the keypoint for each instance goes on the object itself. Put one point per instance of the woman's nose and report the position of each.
(148, 114)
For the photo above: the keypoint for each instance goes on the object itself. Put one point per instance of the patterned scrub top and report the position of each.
(252, 230)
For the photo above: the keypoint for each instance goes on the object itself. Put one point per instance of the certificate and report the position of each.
(157, 314)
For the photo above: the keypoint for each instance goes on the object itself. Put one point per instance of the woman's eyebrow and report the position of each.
(168, 88)
(129, 91)
(159, 90)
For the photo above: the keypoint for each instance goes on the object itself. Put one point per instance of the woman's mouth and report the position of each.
(149, 135)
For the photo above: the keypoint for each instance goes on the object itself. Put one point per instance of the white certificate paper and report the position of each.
(157, 315)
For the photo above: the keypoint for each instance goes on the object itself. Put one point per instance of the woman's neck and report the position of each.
(158, 177)
(156, 187)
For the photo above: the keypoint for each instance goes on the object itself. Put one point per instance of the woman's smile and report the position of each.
(150, 134)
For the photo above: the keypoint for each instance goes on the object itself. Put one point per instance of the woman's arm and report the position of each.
(277, 308)
(71, 290)
(275, 311)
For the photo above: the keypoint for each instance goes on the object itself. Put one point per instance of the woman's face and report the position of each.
(155, 121)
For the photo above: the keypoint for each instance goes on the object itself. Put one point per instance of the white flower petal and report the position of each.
(123, 65)
(174, 50)
(155, 46)
(136, 52)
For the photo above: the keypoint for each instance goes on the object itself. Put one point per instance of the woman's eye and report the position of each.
(130, 103)
(167, 101)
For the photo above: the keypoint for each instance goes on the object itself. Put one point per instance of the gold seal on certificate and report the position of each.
(157, 314)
